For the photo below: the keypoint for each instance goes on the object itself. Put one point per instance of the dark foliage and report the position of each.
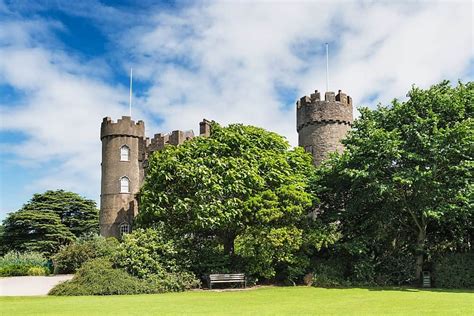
(48, 221)
(454, 270)
(40, 231)
(78, 214)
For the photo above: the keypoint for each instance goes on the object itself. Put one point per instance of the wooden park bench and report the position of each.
(227, 278)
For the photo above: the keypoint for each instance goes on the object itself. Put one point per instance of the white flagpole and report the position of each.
(327, 67)
(131, 83)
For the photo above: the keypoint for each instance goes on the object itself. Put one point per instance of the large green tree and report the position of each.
(239, 194)
(48, 221)
(35, 231)
(78, 214)
(405, 179)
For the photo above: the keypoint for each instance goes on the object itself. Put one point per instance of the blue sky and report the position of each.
(64, 66)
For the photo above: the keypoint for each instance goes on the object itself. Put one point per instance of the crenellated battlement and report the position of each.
(177, 137)
(123, 127)
(334, 109)
(329, 96)
(322, 124)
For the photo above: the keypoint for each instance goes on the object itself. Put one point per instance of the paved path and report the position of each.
(30, 285)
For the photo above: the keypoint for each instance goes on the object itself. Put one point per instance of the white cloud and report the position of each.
(61, 112)
(227, 61)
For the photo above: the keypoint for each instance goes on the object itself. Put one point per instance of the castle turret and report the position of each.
(123, 148)
(322, 124)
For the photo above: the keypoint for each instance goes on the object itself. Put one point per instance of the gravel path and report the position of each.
(30, 285)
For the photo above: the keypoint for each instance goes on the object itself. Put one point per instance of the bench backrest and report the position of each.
(227, 276)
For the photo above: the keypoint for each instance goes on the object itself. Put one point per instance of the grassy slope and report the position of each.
(270, 301)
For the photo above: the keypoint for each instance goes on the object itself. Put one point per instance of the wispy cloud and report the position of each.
(231, 61)
(60, 110)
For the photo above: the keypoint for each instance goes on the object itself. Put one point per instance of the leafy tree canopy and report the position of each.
(405, 180)
(239, 194)
(35, 231)
(78, 214)
(48, 221)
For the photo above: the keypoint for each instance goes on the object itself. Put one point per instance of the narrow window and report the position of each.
(124, 153)
(124, 229)
(124, 185)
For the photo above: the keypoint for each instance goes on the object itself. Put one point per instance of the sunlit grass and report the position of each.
(261, 301)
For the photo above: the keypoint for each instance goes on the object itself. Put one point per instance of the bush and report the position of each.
(98, 277)
(145, 252)
(174, 282)
(454, 270)
(395, 269)
(330, 273)
(71, 257)
(146, 255)
(18, 264)
(38, 271)
(13, 270)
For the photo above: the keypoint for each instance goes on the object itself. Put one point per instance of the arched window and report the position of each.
(124, 153)
(124, 228)
(124, 185)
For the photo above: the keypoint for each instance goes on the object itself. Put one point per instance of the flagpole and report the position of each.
(131, 83)
(327, 67)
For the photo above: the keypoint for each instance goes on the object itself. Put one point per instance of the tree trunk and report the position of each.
(420, 247)
(229, 246)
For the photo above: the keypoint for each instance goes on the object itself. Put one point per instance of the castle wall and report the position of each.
(117, 208)
(322, 124)
(322, 139)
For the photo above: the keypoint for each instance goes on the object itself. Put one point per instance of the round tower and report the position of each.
(122, 174)
(322, 124)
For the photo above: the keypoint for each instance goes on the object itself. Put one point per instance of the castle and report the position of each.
(321, 124)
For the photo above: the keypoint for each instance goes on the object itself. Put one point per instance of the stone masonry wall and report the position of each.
(116, 207)
(322, 124)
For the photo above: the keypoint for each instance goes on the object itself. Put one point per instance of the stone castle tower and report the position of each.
(322, 124)
(122, 173)
(125, 151)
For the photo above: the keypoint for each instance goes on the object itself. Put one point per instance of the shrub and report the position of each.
(330, 273)
(173, 282)
(98, 277)
(146, 255)
(17, 264)
(38, 271)
(71, 257)
(395, 269)
(13, 270)
(145, 252)
(454, 270)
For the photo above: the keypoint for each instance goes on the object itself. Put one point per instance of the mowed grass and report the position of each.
(261, 301)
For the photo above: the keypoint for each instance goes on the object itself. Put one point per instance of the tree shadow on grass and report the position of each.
(403, 289)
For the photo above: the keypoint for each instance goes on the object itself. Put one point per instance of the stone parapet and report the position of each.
(123, 127)
(322, 124)
(334, 109)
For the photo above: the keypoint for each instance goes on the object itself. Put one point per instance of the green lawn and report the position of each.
(262, 301)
